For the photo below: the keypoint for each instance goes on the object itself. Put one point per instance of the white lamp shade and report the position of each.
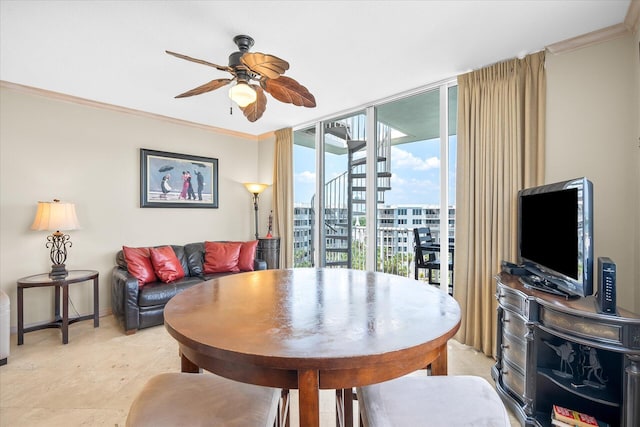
(255, 188)
(55, 216)
(242, 94)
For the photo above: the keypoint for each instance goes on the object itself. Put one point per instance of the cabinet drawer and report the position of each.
(514, 350)
(513, 300)
(595, 332)
(513, 380)
(514, 324)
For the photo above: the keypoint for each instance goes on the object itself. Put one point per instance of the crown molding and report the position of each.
(632, 20)
(104, 106)
(630, 25)
(589, 39)
(266, 135)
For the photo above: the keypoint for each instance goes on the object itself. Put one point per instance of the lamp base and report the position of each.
(58, 272)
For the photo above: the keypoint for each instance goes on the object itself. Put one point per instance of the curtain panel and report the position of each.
(283, 194)
(501, 131)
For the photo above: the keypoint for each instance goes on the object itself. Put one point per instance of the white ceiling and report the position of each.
(347, 53)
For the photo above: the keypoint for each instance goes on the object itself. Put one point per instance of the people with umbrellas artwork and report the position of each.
(177, 180)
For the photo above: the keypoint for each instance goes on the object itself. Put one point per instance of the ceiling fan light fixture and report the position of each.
(242, 94)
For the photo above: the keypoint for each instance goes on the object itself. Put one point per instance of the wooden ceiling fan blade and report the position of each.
(207, 87)
(255, 110)
(265, 65)
(200, 61)
(286, 89)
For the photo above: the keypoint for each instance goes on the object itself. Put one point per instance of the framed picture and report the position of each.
(172, 180)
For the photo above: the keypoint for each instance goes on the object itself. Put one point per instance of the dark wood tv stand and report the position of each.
(599, 373)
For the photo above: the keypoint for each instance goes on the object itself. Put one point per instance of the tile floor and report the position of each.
(92, 380)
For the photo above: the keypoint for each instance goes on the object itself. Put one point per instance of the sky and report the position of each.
(415, 169)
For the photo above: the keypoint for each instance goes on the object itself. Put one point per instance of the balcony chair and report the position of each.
(427, 256)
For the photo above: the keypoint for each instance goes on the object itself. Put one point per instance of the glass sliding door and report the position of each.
(345, 192)
(412, 199)
(453, 159)
(331, 153)
(304, 203)
(379, 173)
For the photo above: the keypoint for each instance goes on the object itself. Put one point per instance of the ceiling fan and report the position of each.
(246, 66)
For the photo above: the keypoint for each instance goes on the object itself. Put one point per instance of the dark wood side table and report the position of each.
(61, 322)
(313, 329)
(269, 250)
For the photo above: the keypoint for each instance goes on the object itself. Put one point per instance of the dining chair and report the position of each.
(434, 401)
(173, 399)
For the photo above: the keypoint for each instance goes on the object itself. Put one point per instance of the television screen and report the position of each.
(554, 239)
(551, 218)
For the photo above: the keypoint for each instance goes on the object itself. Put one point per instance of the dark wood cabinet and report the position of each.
(269, 250)
(552, 350)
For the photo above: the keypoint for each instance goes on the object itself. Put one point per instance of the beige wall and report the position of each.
(592, 131)
(90, 156)
(51, 148)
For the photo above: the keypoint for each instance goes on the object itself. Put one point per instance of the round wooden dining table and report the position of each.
(311, 329)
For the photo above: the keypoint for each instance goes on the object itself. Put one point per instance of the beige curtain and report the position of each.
(283, 195)
(501, 130)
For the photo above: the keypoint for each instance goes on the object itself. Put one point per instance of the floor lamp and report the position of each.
(255, 189)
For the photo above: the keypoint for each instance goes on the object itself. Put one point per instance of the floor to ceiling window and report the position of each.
(452, 125)
(383, 171)
(304, 181)
(344, 142)
(412, 198)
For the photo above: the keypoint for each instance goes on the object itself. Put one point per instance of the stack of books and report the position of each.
(563, 417)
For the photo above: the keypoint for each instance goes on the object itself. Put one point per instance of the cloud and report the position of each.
(404, 159)
(306, 177)
(407, 189)
(397, 180)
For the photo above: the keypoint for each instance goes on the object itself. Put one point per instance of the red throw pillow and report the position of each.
(221, 257)
(139, 264)
(247, 255)
(166, 264)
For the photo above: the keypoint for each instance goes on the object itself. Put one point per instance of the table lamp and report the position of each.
(55, 216)
(255, 189)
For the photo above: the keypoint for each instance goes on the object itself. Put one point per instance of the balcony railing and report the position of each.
(395, 251)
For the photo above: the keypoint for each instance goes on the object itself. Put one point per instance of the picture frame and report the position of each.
(173, 180)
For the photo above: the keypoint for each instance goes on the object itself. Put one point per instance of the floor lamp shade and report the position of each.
(255, 189)
(56, 216)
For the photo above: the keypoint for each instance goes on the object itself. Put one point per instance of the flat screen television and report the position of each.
(555, 237)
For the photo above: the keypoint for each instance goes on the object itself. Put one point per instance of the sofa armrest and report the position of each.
(259, 264)
(124, 298)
